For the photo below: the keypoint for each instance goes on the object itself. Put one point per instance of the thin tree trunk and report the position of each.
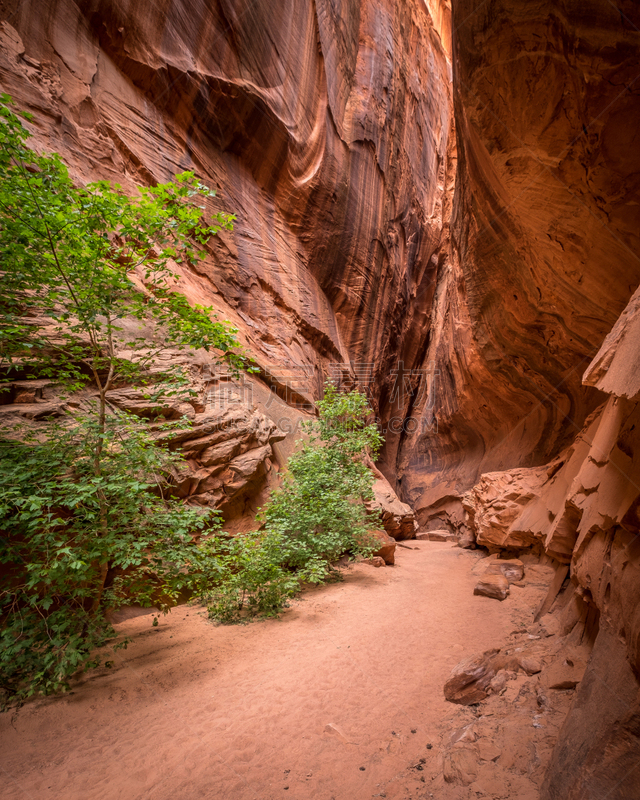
(97, 470)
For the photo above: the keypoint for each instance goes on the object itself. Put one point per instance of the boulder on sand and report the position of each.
(496, 586)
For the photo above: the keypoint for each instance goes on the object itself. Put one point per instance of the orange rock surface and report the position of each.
(437, 202)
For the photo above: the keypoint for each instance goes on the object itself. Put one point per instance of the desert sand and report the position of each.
(339, 699)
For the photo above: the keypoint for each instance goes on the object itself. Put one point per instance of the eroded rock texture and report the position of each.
(324, 127)
(544, 261)
(467, 283)
(545, 236)
(583, 511)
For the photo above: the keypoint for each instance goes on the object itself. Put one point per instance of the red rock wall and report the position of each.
(582, 510)
(545, 235)
(544, 260)
(327, 128)
(324, 126)
(492, 268)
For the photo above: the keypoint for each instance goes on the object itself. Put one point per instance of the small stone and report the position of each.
(498, 684)
(362, 769)
(470, 679)
(460, 765)
(334, 730)
(387, 546)
(495, 586)
(488, 751)
(529, 665)
(511, 568)
(464, 734)
(563, 674)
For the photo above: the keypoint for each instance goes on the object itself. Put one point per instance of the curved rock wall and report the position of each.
(467, 278)
(545, 235)
(544, 260)
(582, 510)
(471, 315)
(324, 126)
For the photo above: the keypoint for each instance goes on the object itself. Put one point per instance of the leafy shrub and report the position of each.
(316, 516)
(56, 589)
(253, 580)
(319, 512)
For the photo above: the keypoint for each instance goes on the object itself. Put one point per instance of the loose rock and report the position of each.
(461, 765)
(470, 679)
(442, 536)
(496, 586)
(512, 568)
(564, 674)
(387, 547)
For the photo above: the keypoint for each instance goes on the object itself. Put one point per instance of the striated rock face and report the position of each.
(529, 399)
(495, 503)
(460, 253)
(228, 452)
(583, 511)
(325, 127)
(598, 750)
(545, 235)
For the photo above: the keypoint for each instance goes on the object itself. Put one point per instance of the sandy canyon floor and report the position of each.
(340, 699)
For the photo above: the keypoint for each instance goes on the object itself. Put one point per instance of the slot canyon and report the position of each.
(437, 203)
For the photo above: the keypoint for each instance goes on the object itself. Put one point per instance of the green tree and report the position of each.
(317, 515)
(78, 261)
(54, 594)
(80, 267)
(319, 512)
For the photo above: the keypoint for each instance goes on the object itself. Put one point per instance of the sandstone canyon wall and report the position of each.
(544, 234)
(545, 250)
(463, 250)
(325, 127)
